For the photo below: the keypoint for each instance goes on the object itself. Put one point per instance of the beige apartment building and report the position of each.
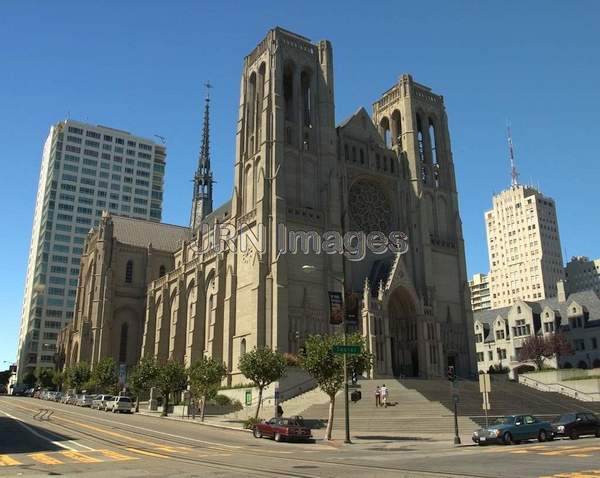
(523, 245)
(480, 292)
(583, 274)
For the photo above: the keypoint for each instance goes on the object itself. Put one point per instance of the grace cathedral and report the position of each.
(148, 289)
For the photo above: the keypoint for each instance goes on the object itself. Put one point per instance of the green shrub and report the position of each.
(222, 400)
(250, 422)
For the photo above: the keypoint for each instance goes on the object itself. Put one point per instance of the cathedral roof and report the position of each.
(140, 232)
(221, 214)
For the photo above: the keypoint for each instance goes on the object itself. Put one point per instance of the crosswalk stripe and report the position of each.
(6, 460)
(80, 457)
(45, 459)
(117, 456)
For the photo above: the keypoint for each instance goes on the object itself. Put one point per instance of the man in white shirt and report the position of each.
(384, 395)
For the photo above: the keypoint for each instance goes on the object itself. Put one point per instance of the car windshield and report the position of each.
(566, 418)
(124, 399)
(504, 421)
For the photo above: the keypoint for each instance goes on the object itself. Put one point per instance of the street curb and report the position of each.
(213, 425)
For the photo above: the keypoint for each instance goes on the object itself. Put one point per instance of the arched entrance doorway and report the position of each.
(403, 333)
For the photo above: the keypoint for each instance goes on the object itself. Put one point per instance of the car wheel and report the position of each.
(507, 438)
(277, 437)
(574, 435)
(257, 433)
(542, 436)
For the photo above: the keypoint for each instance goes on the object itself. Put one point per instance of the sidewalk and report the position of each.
(361, 439)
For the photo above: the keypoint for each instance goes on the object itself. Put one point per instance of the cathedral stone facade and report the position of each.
(296, 171)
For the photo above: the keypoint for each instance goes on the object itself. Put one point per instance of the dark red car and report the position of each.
(282, 429)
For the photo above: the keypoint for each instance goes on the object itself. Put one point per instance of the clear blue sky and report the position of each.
(139, 65)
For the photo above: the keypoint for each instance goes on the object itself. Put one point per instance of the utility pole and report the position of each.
(455, 397)
(346, 405)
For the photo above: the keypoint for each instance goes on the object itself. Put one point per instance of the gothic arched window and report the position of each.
(242, 347)
(433, 142)
(129, 272)
(288, 91)
(306, 98)
(162, 271)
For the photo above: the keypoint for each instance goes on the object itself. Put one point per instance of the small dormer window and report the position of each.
(574, 310)
(518, 309)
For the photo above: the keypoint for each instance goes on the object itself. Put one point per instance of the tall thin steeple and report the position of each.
(203, 181)
(514, 175)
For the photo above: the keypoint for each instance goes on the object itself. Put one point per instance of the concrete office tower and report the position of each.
(523, 245)
(480, 292)
(85, 169)
(583, 274)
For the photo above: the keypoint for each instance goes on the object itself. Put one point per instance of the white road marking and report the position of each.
(39, 435)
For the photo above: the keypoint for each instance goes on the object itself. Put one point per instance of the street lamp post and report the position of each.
(308, 269)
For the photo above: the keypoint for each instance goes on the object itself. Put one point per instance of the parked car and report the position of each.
(100, 401)
(73, 399)
(119, 404)
(573, 425)
(282, 429)
(84, 400)
(514, 429)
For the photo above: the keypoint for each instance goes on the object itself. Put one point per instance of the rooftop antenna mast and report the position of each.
(514, 175)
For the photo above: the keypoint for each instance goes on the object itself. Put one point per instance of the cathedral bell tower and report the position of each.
(286, 179)
(202, 203)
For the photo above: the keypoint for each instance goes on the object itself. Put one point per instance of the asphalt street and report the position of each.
(77, 441)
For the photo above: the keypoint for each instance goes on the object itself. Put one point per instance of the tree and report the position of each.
(104, 376)
(29, 379)
(262, 366)
(559, 346)
(142, 378)
(45, 377)
(5, 377)
(171, 378)
(58, 379)
(205, 377)
(535, 348)
(78, 375)
(327, 368)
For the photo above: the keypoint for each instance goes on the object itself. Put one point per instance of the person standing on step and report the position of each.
(377, 396)
(384, 395)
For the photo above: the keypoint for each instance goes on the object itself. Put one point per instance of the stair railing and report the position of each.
(560, 388)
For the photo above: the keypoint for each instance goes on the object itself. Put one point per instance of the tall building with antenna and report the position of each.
(523, 242)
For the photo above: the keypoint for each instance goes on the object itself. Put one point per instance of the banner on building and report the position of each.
(336, 308)
(352, 308)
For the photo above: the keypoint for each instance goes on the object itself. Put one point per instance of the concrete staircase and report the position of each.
(409, 413)
(507, 398)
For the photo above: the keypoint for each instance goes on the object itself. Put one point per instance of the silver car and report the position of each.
(100, 401)
(119, 404)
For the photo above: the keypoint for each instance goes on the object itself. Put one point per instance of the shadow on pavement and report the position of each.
(391, 438)
(14, 438)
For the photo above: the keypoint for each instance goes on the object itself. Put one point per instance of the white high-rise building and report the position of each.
(523, 245)
(480, 292)
(85, 170)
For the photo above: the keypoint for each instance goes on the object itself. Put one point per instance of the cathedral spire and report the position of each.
(203, 180)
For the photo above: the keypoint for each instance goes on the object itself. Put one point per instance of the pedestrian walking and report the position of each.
(279, 411)
(377, 396)
(384, 395)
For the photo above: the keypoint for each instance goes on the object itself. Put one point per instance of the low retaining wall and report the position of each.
(587, 390)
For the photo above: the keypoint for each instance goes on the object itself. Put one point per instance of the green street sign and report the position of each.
(346, 349)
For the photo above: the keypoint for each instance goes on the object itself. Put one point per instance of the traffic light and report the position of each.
(356, 395)
(354, 377)
(451, 373)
